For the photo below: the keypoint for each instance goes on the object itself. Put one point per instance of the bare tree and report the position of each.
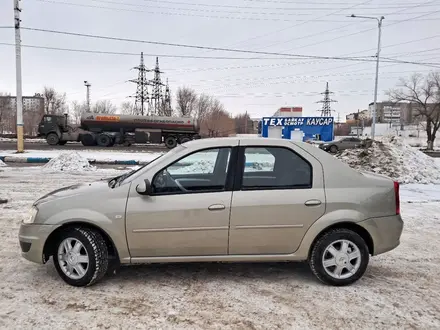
(128, 108)
(217, 122)
(76, 110)
(204, 103)
(6, 116)
(186, 101)
(104, 106)
(424, 93)
(54, 103)
(243, 123)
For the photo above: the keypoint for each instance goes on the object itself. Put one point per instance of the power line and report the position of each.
(300, 2)
(332, 39)
(294, 56)
(196, 46)
(137, 54)
(236, 7)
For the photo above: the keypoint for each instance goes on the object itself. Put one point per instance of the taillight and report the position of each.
(397, 195)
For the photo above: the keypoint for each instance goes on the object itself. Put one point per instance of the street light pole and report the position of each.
(87, 84)
(379, 25)
(19, 97)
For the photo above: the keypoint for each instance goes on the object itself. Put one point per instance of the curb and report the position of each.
(44, 160)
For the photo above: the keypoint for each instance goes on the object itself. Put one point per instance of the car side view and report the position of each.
(342, 144)
(220, 200)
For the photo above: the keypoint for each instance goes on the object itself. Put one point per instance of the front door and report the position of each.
(280, 195)
(188, 211)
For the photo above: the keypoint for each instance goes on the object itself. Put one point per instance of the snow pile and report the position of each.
(393, 157)
(259, 166)
(198, 166)
(69, 162)
(2, 163)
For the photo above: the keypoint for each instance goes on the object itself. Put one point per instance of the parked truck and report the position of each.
(107, 130)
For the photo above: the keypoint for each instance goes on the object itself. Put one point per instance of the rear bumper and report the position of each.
(385, 232)
(32, 238)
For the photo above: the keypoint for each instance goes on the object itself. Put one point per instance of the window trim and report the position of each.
(230, 172)
(238, 182)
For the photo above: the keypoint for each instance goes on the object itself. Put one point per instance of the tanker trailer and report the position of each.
(106, 130)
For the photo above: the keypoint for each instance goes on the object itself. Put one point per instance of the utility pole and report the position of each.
(357, 124)
(141, 90)
(379, 25)
(245, 123)
(87, 84)
(326, 110)
(19, 98)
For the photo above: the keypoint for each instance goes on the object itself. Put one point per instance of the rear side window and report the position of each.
(275, 168)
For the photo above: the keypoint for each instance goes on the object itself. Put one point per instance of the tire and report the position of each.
(52, 139)
(88, 140)
(104, 140)
(336, 238)
(93, 246)
(184, 140)
(334, 149)
(62, 143)
(170, 142)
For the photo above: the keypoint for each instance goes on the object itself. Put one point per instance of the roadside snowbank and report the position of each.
(1, 163)
(69, 162)
(391, 156)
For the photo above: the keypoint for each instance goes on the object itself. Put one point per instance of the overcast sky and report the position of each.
(411, 32)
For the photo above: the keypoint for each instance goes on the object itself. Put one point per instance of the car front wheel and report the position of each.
(81, 256)
(339, 257)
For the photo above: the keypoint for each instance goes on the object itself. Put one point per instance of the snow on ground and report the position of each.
(88, 154)
(2, 163)
(393, 157)
(69, 162)
(2, 139)
(401, 289)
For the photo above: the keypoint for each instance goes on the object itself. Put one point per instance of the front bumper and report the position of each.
(385, 232)
(32, 238)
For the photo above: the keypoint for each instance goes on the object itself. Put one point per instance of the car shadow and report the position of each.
(272, 272)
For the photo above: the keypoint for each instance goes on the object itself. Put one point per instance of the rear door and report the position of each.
(278, 194)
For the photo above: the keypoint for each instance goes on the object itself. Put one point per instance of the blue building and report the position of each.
(298, 128)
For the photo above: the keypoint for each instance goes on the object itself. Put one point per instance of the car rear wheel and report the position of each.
(339, 257)
(334, 149)
(81, 257)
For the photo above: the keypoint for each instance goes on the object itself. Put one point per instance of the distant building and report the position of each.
(401, 113)
(33, 110)
(364, 114)
(289, 112)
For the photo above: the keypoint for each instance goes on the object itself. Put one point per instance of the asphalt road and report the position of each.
(12, 145)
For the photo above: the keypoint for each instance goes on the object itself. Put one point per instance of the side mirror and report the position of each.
(144, 188)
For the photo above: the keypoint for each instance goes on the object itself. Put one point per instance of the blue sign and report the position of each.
(310, 128)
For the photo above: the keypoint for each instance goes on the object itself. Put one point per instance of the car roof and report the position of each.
(230, 141)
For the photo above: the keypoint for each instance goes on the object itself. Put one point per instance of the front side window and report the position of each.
(202, 171)
(278, 168)
(48, 119)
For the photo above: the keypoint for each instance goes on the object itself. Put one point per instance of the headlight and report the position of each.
(30, 218)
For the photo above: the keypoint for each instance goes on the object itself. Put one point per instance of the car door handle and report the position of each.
(312, 202)
(216, 207)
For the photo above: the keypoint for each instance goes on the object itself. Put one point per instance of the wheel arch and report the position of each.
(49, 245)
(346, 225)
